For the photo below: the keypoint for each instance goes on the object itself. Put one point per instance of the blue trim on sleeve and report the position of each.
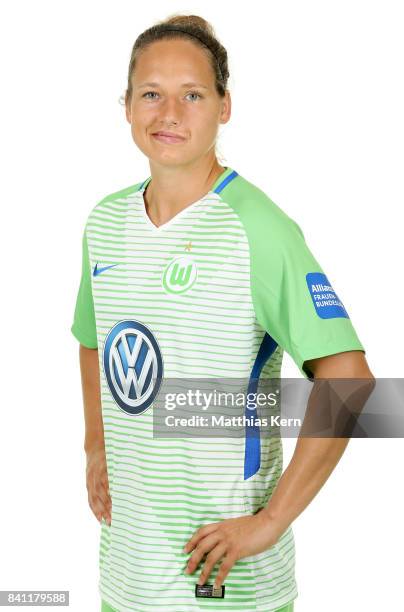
(252, 454)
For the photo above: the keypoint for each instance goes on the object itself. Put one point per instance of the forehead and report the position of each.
(177, 59)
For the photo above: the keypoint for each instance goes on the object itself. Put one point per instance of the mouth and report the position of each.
(168, 138)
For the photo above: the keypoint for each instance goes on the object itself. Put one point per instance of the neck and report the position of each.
(170, 190)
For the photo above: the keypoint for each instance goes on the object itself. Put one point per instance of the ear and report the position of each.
(128, 111)
(226, 108)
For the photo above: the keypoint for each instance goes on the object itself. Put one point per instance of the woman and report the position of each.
(195, 272)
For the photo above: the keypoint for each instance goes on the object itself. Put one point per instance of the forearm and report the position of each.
(334, 404)
(90, 381)
(313, 461)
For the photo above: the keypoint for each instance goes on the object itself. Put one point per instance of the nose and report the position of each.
(170, 110)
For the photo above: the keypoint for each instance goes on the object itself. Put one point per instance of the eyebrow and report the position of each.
(191, 84)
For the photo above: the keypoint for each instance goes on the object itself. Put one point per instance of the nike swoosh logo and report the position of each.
(98, 270)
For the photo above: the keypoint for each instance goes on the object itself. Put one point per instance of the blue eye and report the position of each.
(194, 93)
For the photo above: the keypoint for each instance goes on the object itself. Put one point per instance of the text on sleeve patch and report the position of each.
(326, 302)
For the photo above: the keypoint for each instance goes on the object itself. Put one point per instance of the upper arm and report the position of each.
(295, 301)
(84, 324)
(349, 364)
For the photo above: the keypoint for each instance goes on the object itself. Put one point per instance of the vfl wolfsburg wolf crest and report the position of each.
(180, 274)
(133, 365)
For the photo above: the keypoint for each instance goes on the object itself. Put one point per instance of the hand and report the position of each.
(97, 484)
(232, 539)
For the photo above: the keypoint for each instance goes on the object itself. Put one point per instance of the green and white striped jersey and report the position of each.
(220, 290)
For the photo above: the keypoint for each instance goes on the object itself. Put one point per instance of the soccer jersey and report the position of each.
(220, 290)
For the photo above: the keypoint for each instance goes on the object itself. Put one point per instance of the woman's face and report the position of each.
(164, 98)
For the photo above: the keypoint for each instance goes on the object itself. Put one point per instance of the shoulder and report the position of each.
(258, 213)
(114, 202)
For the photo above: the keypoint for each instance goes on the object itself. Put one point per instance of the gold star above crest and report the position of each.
(188, 246)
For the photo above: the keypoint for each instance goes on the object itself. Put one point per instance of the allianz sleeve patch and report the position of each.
(326, 302)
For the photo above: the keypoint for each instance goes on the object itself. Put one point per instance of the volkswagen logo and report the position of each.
(133, 365)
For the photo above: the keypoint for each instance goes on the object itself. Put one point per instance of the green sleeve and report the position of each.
(84, 325)
(293, 299)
